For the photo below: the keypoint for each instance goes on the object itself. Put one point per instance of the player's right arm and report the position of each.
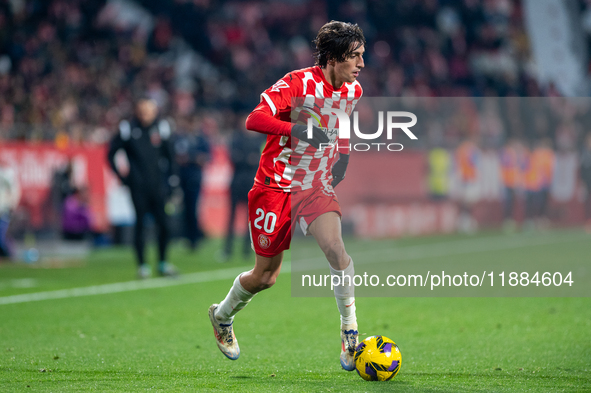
(276, 104)
(261, 120)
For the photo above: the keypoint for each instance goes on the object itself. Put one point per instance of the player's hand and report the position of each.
(300, 131)
(339, 169)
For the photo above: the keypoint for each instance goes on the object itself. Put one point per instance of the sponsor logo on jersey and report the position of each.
(279, 85)
(264, 241)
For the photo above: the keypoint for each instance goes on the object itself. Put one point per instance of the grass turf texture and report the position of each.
(161, 339)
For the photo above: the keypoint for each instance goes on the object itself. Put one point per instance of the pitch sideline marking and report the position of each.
(222, 274)
(103, 289)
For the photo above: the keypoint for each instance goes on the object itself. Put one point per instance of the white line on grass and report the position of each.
(190, 278)
(454, 247)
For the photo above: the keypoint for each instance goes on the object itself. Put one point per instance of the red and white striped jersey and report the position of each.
(291, 164)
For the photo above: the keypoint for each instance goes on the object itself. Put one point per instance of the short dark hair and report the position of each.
(336, 41)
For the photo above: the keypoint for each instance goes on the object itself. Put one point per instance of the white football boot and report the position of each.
(224, 336)
(349, 338)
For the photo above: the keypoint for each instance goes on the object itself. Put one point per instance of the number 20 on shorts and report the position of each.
(270, 219)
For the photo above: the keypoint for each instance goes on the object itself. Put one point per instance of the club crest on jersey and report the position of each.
(279, 85)
(349, 109)
(264, 241)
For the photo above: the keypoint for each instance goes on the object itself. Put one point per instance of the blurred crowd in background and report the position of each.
(70, 71)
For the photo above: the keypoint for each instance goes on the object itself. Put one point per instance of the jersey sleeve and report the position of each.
(279, 96)
(261, 120)
(272, 115)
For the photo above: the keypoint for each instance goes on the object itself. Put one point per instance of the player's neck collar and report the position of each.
(328, 83)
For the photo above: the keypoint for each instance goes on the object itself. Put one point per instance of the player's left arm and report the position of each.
(339, 169)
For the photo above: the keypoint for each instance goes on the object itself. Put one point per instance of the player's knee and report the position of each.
(334, 250)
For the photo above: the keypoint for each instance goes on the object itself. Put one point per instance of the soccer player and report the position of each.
(296, 177)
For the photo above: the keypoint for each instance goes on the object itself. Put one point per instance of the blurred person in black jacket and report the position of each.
(146, 141)
(245, 153)
(192, 151)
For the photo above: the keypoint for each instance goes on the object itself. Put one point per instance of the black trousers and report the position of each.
(148, 200)
(193, 230)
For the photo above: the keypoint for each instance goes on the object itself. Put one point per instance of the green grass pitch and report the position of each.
(160, 338)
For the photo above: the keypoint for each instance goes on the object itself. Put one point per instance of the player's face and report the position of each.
(347, 71)
(146, 111)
